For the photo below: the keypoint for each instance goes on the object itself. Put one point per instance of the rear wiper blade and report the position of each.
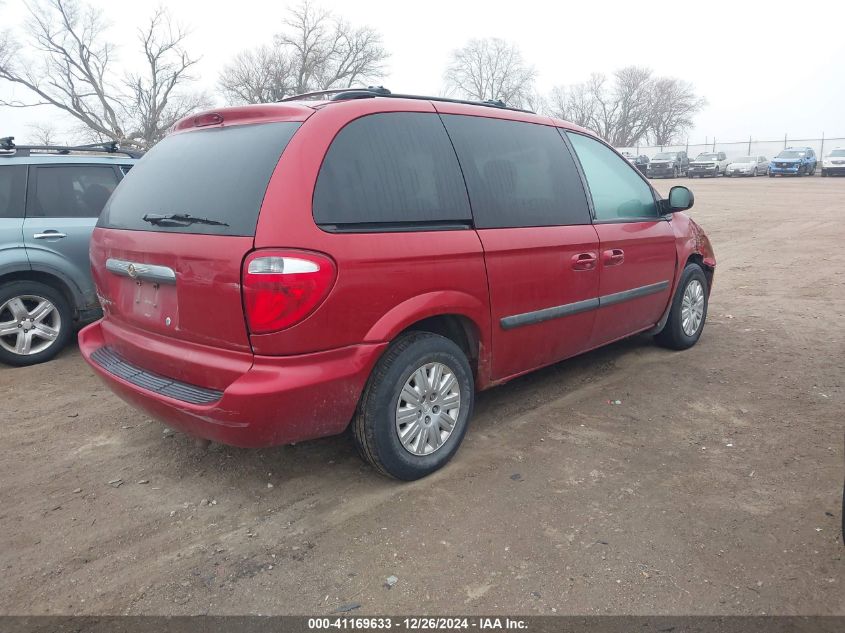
(178, 219)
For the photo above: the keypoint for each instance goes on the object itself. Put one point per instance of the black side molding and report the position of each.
(568, 309)
(633, 293)
(538, 316)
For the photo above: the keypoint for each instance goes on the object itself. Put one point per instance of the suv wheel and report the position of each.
(35, 323)
(688, 312)
(675, 172)
(414, 410)
(813, 170)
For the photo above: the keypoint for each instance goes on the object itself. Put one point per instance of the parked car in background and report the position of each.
(794, 161)
(834, 163)
(50, 198)
(708, 164)
(748, 166)
(668, 165)
(260, 269)
(641, 163)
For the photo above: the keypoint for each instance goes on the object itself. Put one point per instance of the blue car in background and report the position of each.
(794, 161)
(50, 199)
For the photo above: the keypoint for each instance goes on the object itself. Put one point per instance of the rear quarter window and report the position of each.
(391, 171)
(218, 173)
(12, 190)
(518, 174)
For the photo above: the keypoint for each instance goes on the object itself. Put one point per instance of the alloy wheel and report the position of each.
(29, 324)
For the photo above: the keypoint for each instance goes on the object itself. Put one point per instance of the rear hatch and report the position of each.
(169, 246)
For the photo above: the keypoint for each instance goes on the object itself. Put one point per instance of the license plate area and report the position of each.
(150, 304)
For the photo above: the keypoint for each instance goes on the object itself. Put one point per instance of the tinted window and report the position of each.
(12, 187)
(391, 168)
(617, 190)
(70, 191)
(217, 173)
(517, 174)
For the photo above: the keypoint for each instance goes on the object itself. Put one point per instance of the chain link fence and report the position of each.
(735, 149)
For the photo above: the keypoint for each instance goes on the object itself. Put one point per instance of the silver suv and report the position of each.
(50, 198)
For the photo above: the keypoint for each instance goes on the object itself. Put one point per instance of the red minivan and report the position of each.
(280, 272)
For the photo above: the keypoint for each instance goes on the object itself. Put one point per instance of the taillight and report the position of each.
(280, 288)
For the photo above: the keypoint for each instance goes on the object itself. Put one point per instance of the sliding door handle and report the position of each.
(584, 261)
(613, 257)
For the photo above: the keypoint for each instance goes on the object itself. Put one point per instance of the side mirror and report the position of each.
(680, 199)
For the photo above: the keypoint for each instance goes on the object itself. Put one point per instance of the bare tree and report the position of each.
(155, 100)
(43, 133)
(675, 105)
(630, 107)
(574, 104)
(490, 69)
(74, 71)
(262, 75)
(316, 50)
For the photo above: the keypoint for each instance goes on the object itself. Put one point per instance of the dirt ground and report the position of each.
(713, 488)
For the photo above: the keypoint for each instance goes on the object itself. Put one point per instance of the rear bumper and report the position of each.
(277, 400)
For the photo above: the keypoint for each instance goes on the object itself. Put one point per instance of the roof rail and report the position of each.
(371, 92)
(8, 147)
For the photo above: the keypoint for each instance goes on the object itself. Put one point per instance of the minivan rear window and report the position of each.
(218, 175)
(391, 170)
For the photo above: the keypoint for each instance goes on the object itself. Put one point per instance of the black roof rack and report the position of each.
(370, 92)
(8, 147)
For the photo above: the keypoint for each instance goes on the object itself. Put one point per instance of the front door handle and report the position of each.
(584, 261)
(613, 257)
(49, 234)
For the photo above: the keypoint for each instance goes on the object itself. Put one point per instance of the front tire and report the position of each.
(415, 409)
(824, 173)
(689, 311)
(36, 323)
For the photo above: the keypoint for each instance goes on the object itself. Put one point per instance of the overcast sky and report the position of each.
(764, 70)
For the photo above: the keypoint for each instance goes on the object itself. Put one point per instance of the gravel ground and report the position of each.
(713, 488)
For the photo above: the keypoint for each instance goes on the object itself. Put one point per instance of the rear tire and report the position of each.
(689, 311)
(399, 399)
(37, 321)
